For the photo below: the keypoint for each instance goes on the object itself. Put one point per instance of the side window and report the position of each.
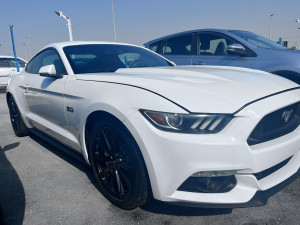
(213, 44)
(4, 62)
(181, 45)
(154, 46)
(30, 66)
(46, 58)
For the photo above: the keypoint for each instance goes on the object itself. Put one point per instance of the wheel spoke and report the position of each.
(119, 184)
(111, 183)
(126, 167)
(127, 181)
(107, 142)
(122, 150)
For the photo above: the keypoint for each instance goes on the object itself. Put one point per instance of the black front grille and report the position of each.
(276, 124)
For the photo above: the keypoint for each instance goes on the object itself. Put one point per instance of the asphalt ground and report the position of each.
(39, 184)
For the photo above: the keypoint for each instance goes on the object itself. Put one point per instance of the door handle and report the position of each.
(199, 63)
(26, 87)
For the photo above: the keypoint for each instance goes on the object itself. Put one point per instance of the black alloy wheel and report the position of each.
(118, 165)
(16, 120)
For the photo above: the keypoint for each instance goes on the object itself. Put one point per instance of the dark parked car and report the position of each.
(229, 48)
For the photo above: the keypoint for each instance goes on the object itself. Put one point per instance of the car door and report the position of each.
(212, 50)
(178, 49)
(45, 95)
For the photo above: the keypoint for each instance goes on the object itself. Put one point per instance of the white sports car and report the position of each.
(7, 68)
(212, 136)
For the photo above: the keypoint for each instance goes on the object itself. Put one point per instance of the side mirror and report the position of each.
(49, 71)
(236, 49)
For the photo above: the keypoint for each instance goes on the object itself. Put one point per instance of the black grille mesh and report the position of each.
(276, 124)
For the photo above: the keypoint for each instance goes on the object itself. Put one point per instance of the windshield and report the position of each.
(97, 58)
(11, 63)
(257, 40)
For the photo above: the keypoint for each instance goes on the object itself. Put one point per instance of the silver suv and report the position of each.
(229, 48)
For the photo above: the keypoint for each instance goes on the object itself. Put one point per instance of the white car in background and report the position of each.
(204, 135)
(7, 68)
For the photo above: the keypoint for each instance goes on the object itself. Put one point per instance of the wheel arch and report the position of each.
(100, 115)
(8, 94)
(89, 122)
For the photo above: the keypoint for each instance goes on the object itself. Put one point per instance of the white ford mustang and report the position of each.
(213, 136)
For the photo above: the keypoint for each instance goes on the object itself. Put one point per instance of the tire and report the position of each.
(118, 165)
(16, 120)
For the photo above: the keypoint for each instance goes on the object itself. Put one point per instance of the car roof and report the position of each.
(191, 31)
(11, 57)
(73, 43)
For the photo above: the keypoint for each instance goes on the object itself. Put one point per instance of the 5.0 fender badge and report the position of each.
(286, 115)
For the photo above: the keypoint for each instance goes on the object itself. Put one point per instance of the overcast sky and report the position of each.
(138, 21)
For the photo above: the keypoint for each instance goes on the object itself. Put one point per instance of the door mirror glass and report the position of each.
(49, 71)
(236, 49)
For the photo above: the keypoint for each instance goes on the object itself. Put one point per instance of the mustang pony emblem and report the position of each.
(286, 115)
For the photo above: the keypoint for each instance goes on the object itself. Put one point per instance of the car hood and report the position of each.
(205, 89)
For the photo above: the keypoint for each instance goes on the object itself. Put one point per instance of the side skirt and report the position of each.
(58, 145)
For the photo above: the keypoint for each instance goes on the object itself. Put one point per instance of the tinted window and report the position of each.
(4, 62)
(109, 58)
(10, 62)
(181, 45)
(45, 58)
(213, 44)
(154, 46)
(257, 40)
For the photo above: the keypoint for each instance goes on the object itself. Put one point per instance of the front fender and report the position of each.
(119, 100)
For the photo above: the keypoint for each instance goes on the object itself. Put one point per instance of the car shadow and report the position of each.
(153, 206)
(12, 195)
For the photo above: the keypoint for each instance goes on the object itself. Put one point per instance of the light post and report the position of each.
(69, 25)
(113, 14)
(25, 51)
(14, 48)
(270, 25)
(28, 47)
(298, 21)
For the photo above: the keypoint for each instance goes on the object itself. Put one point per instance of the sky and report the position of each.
(139, 21)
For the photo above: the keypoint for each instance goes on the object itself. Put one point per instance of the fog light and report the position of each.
(209, 184)
(221, 173)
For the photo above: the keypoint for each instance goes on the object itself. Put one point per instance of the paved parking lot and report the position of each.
(41, 185)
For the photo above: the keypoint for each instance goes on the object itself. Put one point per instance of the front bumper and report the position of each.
(172, 158)
(259, 199)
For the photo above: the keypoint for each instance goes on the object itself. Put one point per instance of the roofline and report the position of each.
(190, 31)
(72, 43)
(12, 57)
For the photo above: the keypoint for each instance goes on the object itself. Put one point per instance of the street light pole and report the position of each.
(69, 25)
(113, 14)
(14, 48)
(270, 25)
(25, 51)
(298, 21)
(29, 47)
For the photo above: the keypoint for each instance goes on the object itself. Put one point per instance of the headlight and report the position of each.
(188, 123)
